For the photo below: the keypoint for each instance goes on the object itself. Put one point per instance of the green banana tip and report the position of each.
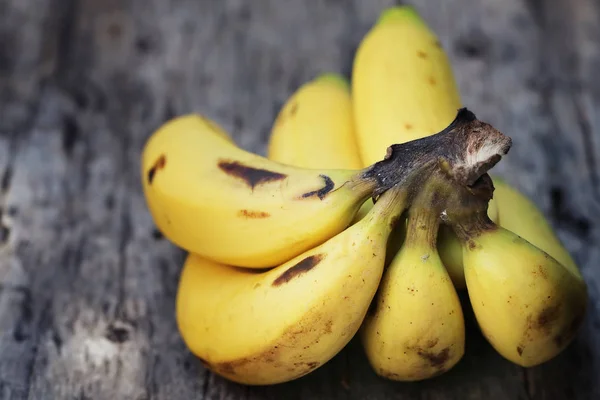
(399, 14)
(334, 78)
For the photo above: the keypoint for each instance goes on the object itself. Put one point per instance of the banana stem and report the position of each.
(442, 178)
(463, 151)
(389, 207)
(473, 226)
(466, 209)
(422, 229)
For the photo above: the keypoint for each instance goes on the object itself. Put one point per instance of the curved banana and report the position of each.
(215, 199)
(528, 305)
(403, 88)
(261, 328)
(315, 127)
(415, 330)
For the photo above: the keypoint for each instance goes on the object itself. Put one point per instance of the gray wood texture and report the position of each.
(87, 286)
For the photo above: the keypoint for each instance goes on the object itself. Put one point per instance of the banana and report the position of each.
(315, 127)
(260, 328)
(403, 88)
(321, 135)
(415, 329)
(210, 197)
(528, 305)
(520, 215)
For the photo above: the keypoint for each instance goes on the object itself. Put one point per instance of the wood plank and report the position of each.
(24, 42)
(91, 287)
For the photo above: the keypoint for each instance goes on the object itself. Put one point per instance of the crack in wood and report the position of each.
(67, 20)
(6, 179)
(206, 383)
(125, 236)
(70, 134)
(34, 351)
(527, 384)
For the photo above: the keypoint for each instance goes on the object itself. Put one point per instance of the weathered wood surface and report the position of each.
(86, 285)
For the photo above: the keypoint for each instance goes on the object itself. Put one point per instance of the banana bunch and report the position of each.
(293, 254)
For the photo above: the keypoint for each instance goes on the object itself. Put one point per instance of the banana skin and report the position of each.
(212, 198)
(403, 86)
(415, 329)
(528, 306)
(261, 328)
(520, 215)
(315, 127)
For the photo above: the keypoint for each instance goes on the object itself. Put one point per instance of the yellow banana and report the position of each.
(528, 305)
(322, 134)
(403, 88)
(416, 328)
(521, 216)
(315, 127)
(269, 327)
(212, 198)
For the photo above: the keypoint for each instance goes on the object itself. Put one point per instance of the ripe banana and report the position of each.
(322, 135)
(520, 215)
(315, 127)
(416, 328)
(403, 87)
(528, 305)
(269, 327)
(215, 199)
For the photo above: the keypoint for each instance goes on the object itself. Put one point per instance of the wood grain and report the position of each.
(87, 286)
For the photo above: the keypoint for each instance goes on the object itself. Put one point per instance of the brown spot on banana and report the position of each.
(250, 175)
(298, 269)
(328, 325)
(547, 317)
(251, 214)
(435, 359)
(520, 349)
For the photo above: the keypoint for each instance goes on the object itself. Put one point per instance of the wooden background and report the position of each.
(87, 286)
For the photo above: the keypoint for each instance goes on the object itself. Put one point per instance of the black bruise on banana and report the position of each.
(252, 176)
(158, 164)
(544, 323)
(321, 193)
(300, 268)
(436, 360)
